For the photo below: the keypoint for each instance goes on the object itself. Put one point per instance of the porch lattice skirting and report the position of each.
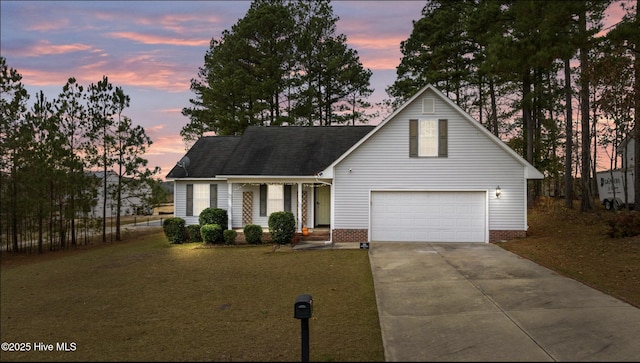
(350, 235)
(497, 236)
(304, 208)
(247, 207)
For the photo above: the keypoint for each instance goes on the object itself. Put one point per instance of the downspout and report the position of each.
(299, 211)
(229, 205)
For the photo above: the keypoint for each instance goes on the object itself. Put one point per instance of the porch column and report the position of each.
(299, 224)
(230, 205)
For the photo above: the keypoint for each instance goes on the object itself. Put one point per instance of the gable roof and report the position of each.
(530, 171)
(206, 157)
(269, 151)
(291, 150)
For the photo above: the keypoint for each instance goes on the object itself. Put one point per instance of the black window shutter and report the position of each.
(443, 147)
(413, 138)
(213, 195)
(287, 198)
(263, 199)
(189, 199)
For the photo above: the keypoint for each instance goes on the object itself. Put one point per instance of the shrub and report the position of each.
(252, 234)
(193, 231)
(174, 229)
(624, 224)
(282, 227)
(211, 233)
(229, 236)
(214, 216)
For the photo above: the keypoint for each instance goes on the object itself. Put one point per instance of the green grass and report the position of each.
(146, 300)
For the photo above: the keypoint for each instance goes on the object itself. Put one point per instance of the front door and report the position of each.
(323, 205)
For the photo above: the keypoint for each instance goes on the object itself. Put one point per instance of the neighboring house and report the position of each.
(427, 172)
(133, 198)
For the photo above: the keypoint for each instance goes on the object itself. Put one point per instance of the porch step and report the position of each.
(323, 235)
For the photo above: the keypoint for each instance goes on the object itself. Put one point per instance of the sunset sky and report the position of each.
(152, 49)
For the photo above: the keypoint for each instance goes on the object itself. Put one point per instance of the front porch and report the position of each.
(253, 201)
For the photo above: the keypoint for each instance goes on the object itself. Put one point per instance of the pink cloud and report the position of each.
(378, 53)
(381, 63)
(155, 39)
(140, 70)
(45, 47)
(377, 43)
(187, 23)
(156, 128)
(133, 72)
(43, 25)
(164, 153)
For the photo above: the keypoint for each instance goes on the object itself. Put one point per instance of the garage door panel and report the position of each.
(428, 216)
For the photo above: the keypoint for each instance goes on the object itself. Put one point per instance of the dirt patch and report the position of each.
(577, 245)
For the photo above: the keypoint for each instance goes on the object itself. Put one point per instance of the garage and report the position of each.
(428, 216)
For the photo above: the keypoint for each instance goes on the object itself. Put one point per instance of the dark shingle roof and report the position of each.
(206, 157)
(271, 151)
(291, 150)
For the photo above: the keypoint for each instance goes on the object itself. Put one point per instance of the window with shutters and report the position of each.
(274, 198)
(201, 196)
(428, 138)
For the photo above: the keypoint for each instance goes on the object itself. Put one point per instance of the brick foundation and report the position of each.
(361, 235)
(350, 235)
(497, 236)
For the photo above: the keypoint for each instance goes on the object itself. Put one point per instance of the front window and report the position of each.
(428, 138)
(275, 198)
(200, 198)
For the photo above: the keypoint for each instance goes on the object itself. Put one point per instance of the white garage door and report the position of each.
(414, 216)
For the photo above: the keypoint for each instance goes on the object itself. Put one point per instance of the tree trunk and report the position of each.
(586, 200)
(528, 127)
(494, 108)
(568, 159)
(636, 116)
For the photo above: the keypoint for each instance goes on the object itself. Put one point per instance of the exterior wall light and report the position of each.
(498, 192)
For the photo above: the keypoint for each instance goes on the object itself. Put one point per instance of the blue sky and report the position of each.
(152, 49)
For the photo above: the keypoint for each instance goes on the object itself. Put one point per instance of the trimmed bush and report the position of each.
(211, 233)
(253, 234)
(282, 227)
(214, 216)
(229, 236)
(174, 229)
(193, 231)
(624, 224)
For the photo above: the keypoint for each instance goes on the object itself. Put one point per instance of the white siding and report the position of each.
(474, 162)
(180, 198)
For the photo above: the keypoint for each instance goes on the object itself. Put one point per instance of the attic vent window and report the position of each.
(428, 105)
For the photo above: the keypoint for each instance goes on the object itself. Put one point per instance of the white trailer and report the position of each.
(612, 186)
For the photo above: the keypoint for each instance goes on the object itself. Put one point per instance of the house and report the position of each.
(427, 172)
(133, 198)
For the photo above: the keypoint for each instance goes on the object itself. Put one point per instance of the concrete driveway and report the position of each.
(478, 302)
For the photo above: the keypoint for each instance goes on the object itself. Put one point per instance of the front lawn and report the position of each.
(146, 300)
